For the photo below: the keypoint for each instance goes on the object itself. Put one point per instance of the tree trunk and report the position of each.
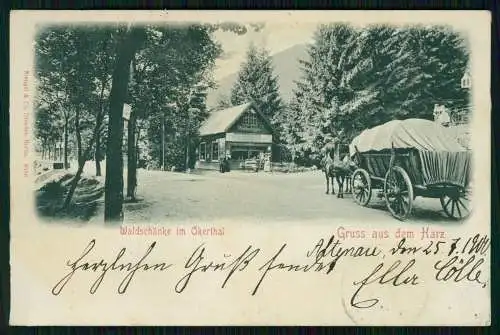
(74, 182)
(137, 139)
(187, 153)
(99, 119)
(131, 157)
(97, 157)
(81, 162)
(81, 165)
(78, 134)
(97, 152)
(163, 142)
(66, 133)
(113, 199)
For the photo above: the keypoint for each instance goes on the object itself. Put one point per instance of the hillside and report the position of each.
(287, 68)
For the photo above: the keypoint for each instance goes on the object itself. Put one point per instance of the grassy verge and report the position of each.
(87, 197)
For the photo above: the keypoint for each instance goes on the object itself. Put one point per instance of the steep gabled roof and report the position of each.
(221, 121)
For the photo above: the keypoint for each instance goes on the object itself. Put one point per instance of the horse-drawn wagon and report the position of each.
(410, 158)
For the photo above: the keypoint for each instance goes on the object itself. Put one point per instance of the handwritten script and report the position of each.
(454, 261)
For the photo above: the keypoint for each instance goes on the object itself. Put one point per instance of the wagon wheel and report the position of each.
(361, 187)
(457, 204)
(398, 192)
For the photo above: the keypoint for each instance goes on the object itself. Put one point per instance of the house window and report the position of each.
(250, 121)
(203, 151)
(215, 151)
(466, 81)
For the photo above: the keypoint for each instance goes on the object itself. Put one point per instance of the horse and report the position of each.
(328, 169)
(343, 170)
(340, 169)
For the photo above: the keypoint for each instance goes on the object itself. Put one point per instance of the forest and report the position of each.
(357, 78)
(354, 78)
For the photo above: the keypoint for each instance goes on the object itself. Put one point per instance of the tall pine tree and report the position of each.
(319, 93)
(257, 83)
(359, 78)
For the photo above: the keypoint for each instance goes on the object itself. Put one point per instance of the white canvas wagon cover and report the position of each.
(442, 159)
(420, 134)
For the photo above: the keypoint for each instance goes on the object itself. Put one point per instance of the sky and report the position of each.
(276, 37)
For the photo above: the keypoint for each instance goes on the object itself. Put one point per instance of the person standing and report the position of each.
(441, 115)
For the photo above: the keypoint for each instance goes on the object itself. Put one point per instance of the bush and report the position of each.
(53, 189)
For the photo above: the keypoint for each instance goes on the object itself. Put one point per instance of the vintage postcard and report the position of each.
(250, 168)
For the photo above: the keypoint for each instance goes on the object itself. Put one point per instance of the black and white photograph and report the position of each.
(203, 168)
(138, 123)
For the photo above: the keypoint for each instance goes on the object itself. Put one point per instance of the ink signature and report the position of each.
(394, 275)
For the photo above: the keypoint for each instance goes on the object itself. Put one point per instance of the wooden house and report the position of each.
(239, 133)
